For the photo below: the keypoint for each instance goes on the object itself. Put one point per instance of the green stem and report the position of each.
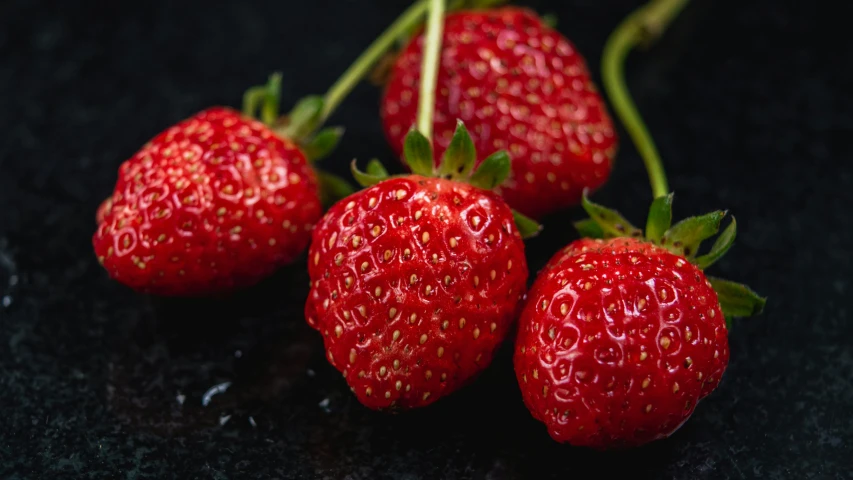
(361, 67)
(429, 67)
(642, 26)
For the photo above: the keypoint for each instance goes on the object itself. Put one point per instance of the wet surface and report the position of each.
(189, 367)
(99, 382)
(8, 275)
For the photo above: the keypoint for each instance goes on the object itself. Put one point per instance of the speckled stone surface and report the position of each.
(751, 106)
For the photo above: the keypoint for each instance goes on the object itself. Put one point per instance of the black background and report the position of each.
(750, 103)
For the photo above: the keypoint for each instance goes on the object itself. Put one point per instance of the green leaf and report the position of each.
(304, 118)
(272, 99)
(375, 168)
(252, 100)
(526, 226)
(460, 155)
(720, 247)
(418, 153)
(333, 188)
(550, 19)
(660, 218)
(589, 228)
(323, 143)
(366, 179)
(611, 222)
(492, 172)
(737, 300)
(689, 233)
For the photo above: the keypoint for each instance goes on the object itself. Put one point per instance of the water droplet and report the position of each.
(212, 391)
(8, 274)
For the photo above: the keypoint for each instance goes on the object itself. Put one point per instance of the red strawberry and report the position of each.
(620, 338)
(415, 280)
(216, 202)
(518, 84)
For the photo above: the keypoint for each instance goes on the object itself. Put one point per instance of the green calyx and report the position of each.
(457, 164)
(266, 98)
(684, 238)
(550, 20)
(301, 125)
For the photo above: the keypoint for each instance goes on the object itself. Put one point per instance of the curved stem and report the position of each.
(429, 67)
(362, 65)
(642, 26)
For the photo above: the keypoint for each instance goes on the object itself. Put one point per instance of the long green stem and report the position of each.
(429, 67)
(642, 26)
(350, 78)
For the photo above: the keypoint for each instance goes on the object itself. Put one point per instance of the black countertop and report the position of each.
(750, 103)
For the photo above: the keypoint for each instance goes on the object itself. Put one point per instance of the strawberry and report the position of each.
(416, 280)
(218, 201)
(213, 203)
(517, 84)
(621, 337)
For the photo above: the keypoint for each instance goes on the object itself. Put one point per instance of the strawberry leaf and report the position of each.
(660, 218)
(589, 228)
(527, 227)
(366, 179)
(612, 223)
(333, 188)
(418, 153)
(323, 143)
(737, 300)
(550, 19)
(460, 155)
(686, 235)
(492, 172)
(304, 118)
(375, 168)
(272, 99)
(252, 100)
(720, 247)
(265, 98)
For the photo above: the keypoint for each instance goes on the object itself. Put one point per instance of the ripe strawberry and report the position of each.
(518, 84)
(620, 338)
(213, 203)
(416, 280)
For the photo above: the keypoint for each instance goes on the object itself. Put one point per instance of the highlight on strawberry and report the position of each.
(519, 85)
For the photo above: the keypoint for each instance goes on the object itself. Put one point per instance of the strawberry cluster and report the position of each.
(417, 278)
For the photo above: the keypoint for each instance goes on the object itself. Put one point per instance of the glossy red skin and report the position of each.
(214, 203)
(518, 85)
(581, 370)
(365, 286)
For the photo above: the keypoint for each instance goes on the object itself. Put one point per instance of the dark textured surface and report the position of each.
(751, 107)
